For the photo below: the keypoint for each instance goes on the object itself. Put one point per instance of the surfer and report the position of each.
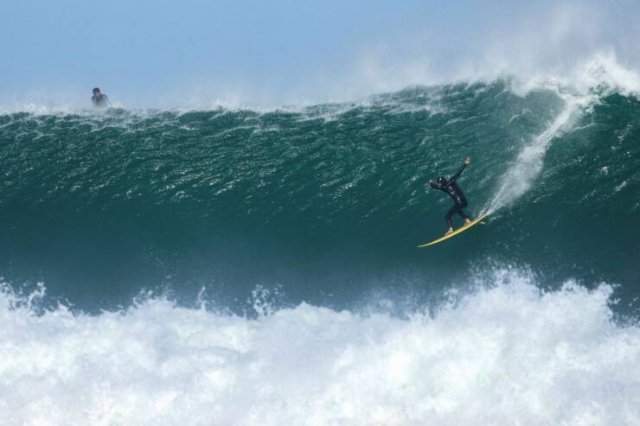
(99, 99)
(450, 186)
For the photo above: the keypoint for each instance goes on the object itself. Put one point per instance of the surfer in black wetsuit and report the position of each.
(451, 187)
(99, 99)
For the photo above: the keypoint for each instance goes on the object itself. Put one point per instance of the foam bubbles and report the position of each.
(507, 354)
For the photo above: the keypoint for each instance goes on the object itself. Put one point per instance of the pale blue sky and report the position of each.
(150, 49)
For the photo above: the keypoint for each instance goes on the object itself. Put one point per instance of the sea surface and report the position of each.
(241, 267)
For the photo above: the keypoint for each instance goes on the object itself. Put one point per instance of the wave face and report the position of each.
(327, 203)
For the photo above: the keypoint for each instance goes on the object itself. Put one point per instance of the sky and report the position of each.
(160, 52)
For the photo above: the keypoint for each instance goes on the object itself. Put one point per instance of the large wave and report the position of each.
(327, 202)
(313, 214)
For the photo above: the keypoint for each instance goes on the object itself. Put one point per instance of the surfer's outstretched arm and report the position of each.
(459, 172)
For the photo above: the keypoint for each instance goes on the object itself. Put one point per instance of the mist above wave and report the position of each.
(598, 69)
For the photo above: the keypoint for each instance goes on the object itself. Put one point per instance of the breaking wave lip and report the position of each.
(600, 75)
(600, 70)
(506, 353)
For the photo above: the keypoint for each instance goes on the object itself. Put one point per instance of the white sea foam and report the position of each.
(502, 355)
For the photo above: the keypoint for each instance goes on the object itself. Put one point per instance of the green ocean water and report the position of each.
(323, 204)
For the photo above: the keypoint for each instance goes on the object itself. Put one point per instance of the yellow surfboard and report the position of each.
(456, 232)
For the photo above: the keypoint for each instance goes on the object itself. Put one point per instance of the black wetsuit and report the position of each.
(451, 187)
(100, 100)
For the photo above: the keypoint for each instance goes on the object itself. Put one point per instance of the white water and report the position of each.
(501, 356)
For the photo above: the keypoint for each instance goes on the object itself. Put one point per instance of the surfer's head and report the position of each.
(442, 180)
(96, 90)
